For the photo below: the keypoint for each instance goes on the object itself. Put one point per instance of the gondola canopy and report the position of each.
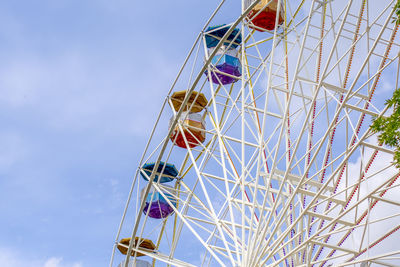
(170, 172)
(196, 103)
(214, 34)
(145, 244)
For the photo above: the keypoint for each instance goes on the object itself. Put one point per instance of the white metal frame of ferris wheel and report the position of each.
(287, 230)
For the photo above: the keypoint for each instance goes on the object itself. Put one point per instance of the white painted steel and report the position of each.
(289, 174)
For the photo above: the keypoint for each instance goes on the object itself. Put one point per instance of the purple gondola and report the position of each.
(157, 206)
(225, 66)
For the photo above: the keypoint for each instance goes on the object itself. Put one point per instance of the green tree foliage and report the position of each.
(389, 127)
(396, 17)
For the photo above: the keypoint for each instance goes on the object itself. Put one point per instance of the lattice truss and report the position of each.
(290, 173)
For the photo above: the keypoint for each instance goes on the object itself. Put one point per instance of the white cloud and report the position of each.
(10, 258)
(380, 172)
(73, 91)
(57, 262)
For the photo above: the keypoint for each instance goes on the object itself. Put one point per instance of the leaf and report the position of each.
(388, 128)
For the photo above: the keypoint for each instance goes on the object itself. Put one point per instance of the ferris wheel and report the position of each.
(262, 153)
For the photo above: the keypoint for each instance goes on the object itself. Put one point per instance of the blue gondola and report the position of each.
(170, 172)
(215, 33)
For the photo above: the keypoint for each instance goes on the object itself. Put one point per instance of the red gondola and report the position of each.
(263, 15)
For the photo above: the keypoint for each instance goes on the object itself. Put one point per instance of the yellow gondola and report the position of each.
(145, 244)
(200, 101)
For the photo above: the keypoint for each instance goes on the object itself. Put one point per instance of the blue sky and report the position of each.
(80, 84)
